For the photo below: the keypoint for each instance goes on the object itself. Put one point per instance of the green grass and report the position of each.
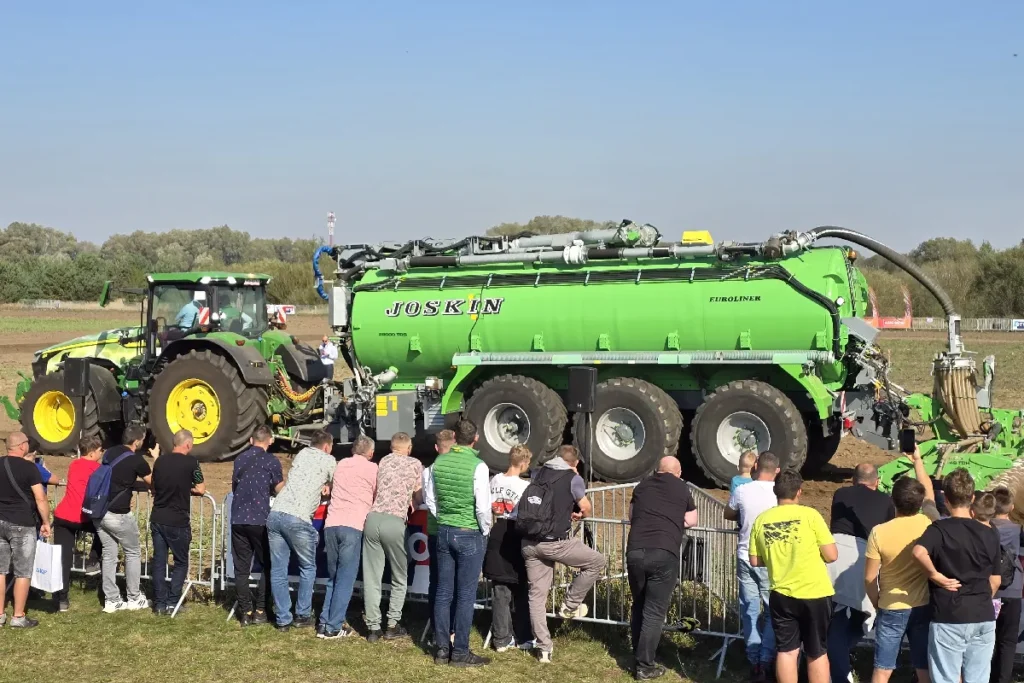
(73, 326)
(87, 645)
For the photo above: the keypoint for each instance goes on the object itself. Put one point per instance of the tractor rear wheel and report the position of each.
(635, 424)
(55, 421)
(747, 415)
(203, 392)
(513, 410)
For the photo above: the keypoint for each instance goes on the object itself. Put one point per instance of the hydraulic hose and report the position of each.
(895, 257)
(317, 275)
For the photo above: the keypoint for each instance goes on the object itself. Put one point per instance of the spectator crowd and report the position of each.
(939, 571)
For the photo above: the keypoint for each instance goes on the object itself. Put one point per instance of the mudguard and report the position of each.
(247, 359)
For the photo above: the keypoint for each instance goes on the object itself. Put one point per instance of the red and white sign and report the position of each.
(204, 316)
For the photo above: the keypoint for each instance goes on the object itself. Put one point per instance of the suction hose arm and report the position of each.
(898, 259)
(317, 275)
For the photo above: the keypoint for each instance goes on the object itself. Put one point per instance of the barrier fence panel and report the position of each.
(203, 566)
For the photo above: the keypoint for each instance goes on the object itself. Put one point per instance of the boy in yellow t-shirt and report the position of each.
(894, 581)
(794, 543)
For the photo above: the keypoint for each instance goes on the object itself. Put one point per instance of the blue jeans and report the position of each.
(287, 534)
(343, 544)
(845, 630)
(754, 590)
(175, 540)
(460, 557)
(956, 647)
(890, 627)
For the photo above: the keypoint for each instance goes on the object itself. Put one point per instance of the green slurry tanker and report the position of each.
(702, 349)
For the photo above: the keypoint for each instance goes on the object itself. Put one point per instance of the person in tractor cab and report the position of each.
(188, 316)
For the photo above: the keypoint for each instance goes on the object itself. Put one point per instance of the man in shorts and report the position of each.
(794, 543)
(894, 581)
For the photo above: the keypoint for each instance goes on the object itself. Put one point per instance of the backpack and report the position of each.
(97, 492)
(1007, 567)
(535, 518)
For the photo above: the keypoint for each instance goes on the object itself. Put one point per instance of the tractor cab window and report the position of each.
(241, 309)
(175, 310)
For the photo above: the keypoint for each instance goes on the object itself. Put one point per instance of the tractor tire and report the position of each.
(203, 392)
(55, 422)
(820, 448)
(635, 425)
(511, 410)
(757, 412)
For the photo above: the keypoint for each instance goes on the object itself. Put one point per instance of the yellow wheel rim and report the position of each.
(193, 405)
(54, 417)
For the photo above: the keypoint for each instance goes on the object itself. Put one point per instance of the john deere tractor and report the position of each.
(204, 358)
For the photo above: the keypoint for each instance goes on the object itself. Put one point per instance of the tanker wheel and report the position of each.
(513, 410)
(53, 420)
(203, 392)
(747, 415)
(820, 448)
(635, 425)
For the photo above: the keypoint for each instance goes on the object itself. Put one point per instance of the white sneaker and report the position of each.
(578, 613)
(138, 603)
(545, 657)
(111, 606)
(3, 618)
(528, 645)
(505, 648)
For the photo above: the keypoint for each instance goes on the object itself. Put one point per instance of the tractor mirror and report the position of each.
(105, 294)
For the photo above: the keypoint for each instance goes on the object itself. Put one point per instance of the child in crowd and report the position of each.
(745, 467)
(983, 509)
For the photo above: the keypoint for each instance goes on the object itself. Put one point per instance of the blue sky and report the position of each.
(409, 119)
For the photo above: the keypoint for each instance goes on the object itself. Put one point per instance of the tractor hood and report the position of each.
(105, 345)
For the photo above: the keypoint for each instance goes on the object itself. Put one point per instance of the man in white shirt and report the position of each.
(745, 504)
(457, 491)
(328, 354)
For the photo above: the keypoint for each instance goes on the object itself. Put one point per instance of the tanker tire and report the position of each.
(820, 448)
(662, 422)
(243, 410)
(87, 424)
(543, 408)
(784, 422)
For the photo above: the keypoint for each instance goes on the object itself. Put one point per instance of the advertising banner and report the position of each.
(1017, 325)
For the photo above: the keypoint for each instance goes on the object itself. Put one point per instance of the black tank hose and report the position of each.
(895, 257)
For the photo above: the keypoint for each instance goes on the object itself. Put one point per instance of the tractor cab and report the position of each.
(184, 304)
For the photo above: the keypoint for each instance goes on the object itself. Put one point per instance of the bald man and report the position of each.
(661, 509)
(856, 510)
(22, 505)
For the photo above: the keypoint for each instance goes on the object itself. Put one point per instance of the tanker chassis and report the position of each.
(703, 350)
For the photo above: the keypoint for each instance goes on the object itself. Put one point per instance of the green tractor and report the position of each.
(205, 358)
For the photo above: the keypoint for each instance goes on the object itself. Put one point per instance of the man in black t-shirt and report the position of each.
(21, 499)
(176, 478)
(961, 558)
(119, 527)
(660, 509)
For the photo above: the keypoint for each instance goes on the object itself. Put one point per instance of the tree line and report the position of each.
(38, 262)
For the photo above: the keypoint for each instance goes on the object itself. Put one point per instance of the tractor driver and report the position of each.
(188, 316)
(234, 311)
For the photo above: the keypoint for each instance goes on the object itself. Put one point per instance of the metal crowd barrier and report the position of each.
(203, 554)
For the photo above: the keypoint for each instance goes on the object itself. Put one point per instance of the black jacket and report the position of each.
(503, 562)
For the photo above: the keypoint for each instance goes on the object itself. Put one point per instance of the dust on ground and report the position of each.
(911, 353)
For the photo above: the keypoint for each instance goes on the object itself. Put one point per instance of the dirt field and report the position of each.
(22, 332)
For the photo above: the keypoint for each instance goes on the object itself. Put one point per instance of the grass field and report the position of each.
(87, 645)
(26, 324)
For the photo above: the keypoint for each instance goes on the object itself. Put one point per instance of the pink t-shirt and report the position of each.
(352, 492)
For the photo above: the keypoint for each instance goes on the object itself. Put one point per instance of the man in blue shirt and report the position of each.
(256, 477)
(189, 313)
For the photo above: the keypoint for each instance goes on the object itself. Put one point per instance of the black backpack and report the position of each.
(535, 516)
(1007, 567)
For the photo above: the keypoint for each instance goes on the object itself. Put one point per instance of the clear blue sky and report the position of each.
(902, 119)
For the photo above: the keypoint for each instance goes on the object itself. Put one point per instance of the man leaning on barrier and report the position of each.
(256, 477)
(176, 477)
(745, 504)
(659, 511)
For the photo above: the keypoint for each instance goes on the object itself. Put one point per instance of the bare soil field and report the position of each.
(23, 331)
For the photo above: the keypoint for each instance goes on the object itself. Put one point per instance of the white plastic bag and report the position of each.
(48, 574)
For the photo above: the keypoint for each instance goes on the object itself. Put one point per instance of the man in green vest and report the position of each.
(456, 489)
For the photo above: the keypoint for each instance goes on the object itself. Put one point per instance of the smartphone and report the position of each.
(908, 441)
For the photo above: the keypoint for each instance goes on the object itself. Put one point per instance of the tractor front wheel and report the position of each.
(204, 393)
(55, 421)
